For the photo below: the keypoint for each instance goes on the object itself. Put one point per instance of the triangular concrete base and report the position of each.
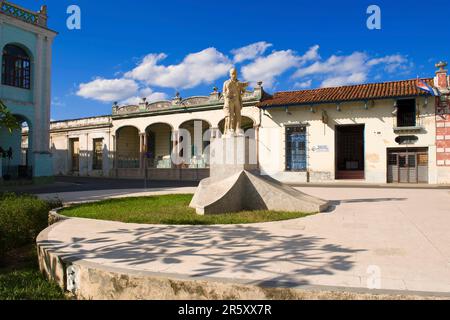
(247, 191)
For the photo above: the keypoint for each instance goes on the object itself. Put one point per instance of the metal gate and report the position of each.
(408, 166)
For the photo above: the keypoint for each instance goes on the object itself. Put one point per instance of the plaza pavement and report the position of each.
(397, 236)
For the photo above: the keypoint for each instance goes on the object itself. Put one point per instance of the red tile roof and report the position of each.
(370, 91)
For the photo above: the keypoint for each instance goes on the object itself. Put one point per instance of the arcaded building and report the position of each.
(390, 132)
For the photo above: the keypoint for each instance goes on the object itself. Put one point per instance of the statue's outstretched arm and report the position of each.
(244, 86)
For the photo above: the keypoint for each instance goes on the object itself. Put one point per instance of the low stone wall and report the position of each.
(128, 173)
(55, 217)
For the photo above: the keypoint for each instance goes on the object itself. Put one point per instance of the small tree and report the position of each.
(7, 119)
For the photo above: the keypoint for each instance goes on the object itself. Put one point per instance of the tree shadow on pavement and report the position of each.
(237, 251)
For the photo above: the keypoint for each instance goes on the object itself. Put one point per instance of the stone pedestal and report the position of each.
(231, 155)
(235, 184)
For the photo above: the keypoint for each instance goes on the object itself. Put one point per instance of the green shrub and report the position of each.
(22, 218)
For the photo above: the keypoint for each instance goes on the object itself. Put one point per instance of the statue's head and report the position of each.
(233, 74)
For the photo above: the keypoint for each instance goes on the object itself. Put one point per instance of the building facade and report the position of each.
(389, 132)
(25, 88)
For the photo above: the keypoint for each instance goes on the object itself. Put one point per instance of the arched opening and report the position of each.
(246, 124)
(128, 148)
(16, 151)
(159, 146)
(16, 67)
(200, 136)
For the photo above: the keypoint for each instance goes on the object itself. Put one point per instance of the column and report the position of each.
(142, 150)
(87, 156)
(48, 90)
(37, 96)
(68, 168)
(175, 147)
(114, 151)
(256, 127)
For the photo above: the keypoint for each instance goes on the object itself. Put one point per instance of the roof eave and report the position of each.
(300, 104)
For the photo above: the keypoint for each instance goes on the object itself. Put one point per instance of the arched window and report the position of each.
(16, 67)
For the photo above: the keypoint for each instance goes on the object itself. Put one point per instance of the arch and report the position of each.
(246, 124)
(16, 147)
(159, 145)
(16, 66)
(127, 147)
(23, 119)
(199, 151)
(160, 123)
(117, 131)
(193, 120)
(21, 46)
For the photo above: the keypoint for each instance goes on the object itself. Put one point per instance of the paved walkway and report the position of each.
(400, 235)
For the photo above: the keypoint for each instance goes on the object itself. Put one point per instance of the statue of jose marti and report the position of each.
(233, 90)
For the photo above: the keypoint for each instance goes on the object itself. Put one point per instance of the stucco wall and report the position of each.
(60, 148)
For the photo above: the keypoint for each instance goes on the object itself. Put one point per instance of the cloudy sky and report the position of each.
(129, 50)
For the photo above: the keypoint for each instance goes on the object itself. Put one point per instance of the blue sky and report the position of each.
(135, 48)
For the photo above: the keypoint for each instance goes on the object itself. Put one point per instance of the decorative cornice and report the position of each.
(38, 18)
(179, 105)
(26, 19)
(81, 124)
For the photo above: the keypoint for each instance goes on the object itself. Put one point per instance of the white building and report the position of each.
(25, 86)
(387, 132)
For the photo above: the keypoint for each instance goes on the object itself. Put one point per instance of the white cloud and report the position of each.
(303, 85)
(108, 90)
(202, 67)
(250, 52)
(392, 59)
(147, 93)
(312, 54)
(351, 69)
(392, 63)
(209, 65)
(337, 81)
(336, 65)
(267, 68)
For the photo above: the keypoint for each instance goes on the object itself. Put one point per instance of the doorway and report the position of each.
(350, 160)
(74, 155)
(408, 165)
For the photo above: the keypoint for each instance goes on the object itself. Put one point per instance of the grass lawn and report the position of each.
(168, 209)
(20, 278)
